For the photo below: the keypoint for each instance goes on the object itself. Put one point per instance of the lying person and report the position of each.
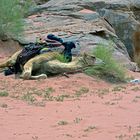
(41, 50)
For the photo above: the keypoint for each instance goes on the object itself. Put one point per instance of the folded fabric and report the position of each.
(53, 37)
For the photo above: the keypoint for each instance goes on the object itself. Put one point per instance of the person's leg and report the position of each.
(28, 67)
(11, 61)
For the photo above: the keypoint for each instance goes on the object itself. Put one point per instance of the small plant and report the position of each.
(48, 92)
(101, 92)
(69, 135)
(62, 123)
(135, 89)
(61, 58)
(28, 97)
(90, 128)
(118, 88)
(40, 104)
(61, 98)
(110, 69)
(3, 105)
(36, 92)
(4, 93)
(110, 103)
(78, 120)
(121, 137)
(81, 91)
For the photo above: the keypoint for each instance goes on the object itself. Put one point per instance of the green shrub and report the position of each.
(61, 58)
(4, 93)
(28, 97)
(11, 17)
(110, 69)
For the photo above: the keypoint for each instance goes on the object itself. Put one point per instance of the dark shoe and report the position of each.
(9, 71)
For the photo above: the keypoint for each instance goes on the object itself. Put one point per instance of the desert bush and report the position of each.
(11, 17)
(61, 58)
(110, 69)
(4, 93)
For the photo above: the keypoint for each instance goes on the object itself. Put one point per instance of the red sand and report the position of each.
(104, 113)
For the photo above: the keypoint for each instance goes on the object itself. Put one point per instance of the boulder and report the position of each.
(123, 15)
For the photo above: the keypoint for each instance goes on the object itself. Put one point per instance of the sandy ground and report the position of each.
(60, 108)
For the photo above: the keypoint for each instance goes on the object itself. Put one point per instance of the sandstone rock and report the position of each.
(123, 15)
